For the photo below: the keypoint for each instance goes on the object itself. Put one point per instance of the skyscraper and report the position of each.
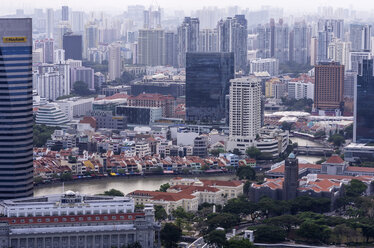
(16, 138)
(50, 23)
(280, 41)
(207, 84)
(245, 113)
(72, 44)
(208, 40)
(64, 13)
(188, 38)
(329, 86)
(232, 37)
(114, 63)
(91, 37)
(360, 37)
(152, 18)
(171, 49)
(151, 47)
(363, 130)
(324, 39)
(299, 43)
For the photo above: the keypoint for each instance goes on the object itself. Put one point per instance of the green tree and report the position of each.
(179, 212)
(216, 237)
(239, 243)
(246, 172)
(216, 152)
(337, 139)
(41, 133)
(240, 206)
(314, 232)
(355, 188)
(287, 126)
(285, 221)
(170, 235)
(224, 220)
(66, 176)
(164, 187)
(236, 151)
(80, 88)
(269, 234)
(160, 213)
(113, 192)
(253, 152)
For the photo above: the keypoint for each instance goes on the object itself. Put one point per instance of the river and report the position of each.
(124, 184)
(127, 185)
(305, 142)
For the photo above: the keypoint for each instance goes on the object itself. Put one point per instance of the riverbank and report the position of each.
(123, 183)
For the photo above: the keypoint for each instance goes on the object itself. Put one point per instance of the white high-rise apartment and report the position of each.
(114, 63)
(245, 112)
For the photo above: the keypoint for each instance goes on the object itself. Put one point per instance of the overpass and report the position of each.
(314, 150)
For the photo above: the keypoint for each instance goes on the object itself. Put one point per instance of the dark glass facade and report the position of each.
(207, 84)
(139, 115)
(364, 104)
(72, 45)
(16, 117)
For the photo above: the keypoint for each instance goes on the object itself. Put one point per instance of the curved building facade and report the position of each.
(16, 117)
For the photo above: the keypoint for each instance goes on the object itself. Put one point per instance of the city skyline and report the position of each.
(297, 7)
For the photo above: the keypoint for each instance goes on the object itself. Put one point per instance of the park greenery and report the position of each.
(41, 133)
(80, 88)
(303, 104)
(347, 221)
(113, 192)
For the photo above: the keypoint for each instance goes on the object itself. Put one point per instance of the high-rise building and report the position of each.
(269, 65)
(188, 38)
(363, 130)
(59, 56)
(63, 28)
(151, 47)
(16, 142)
(83, 74)
(324, 39)
(313, 50)
(91, 37)
(50, 23)
(245, 113)
(232, 37)
(280, 41)
(291, 178)
(114, 61)
(356, 58)
(336, 26)
(72, 44)
(208, 40)
(338, 51)
(77, 22)
(299, 43)
(360, 37)
(171, 49)
(65, 13)
(329, 86)
(207, 84)
(263, 41)
(350, 78)
(152, 18)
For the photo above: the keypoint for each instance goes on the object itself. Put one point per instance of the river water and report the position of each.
(124, 184)
(127, 185)
(305, 142)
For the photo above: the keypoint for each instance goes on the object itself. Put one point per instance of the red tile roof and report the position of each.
(334, 159)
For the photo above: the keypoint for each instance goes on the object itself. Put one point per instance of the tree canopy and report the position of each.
(170, 235)
(80, 88)
(113, 192)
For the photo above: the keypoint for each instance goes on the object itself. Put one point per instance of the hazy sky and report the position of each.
(9, 6)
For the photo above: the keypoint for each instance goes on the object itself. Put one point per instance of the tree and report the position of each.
(269, 234)
(41, 133)
(239, 243)
(113, 192)
(285, 221)
(240, 206)
(287, 126)
(66, 176)
(348, 132)
(224, 220)
(160, 213)
(217, 151)
(355, 188)
(164, 187)
(314, 232)
(337, 139)
(253, 152)
(246, 172)
(368, 231)
(80, 88)
(170, 235)
(216, 237)
(181, 213)
(236, 151)
(126, 77)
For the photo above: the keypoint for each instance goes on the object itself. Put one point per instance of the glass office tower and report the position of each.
(207, 84)
(16, 134)
(364, 104)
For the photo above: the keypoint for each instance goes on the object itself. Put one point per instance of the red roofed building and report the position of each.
(154, 100)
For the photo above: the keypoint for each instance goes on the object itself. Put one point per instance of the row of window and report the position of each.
(98, 218)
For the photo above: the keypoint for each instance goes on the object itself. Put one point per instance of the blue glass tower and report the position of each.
(364, 104)
(207, 84)
(16, 117)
